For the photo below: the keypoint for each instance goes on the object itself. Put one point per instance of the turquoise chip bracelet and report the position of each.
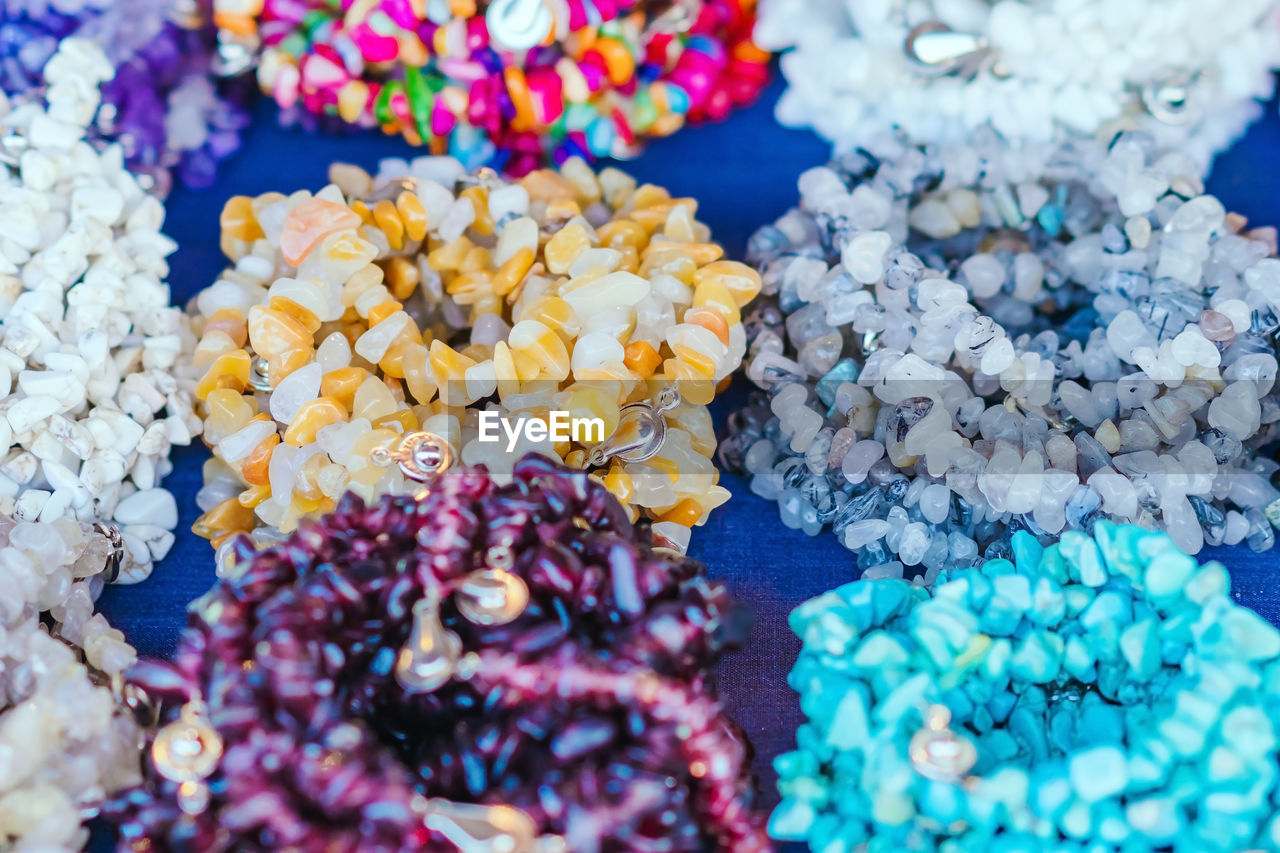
(1104, 693)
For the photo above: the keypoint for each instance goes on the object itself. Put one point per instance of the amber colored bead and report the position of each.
(387, 220)
(668, 259)
(393, 363)
(739, 280)
(412, 215)
(549, 186)
(227, 517)
(273, 332)
(405, 419)
(504, 367)
(513, 271)
(711, 320)
(288, 307)
(622, 232)
(712, 293)
(555, 313)
(450, 255)
(641, 358)
(402, 276)
(347, 247)
(630, 259)
(254, 467)
(237, 220)
(700, 362)
(448, 366)
(694, 385)
(313, 415)
(366, 215)
(341, 384)
(253, 496)
(619, 482)
(213, 344)
(479, 198)
(564, 247)
(229, 370)
(468, 288)
(477, 259)
(280, 366)
(666, 466)
(686, 513)
(382, 311)
(225, 412)
(418, 378)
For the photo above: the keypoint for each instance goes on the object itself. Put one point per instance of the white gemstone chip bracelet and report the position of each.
(68, 736)
(93, 392)
(952, 354)
(1035, 71)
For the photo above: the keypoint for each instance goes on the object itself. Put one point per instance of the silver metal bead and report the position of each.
(937, 752)
(187, 751)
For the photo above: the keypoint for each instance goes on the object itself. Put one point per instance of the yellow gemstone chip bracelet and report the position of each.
(428, 300)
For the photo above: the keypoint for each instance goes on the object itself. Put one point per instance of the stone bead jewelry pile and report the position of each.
(1101, 693)
(479, 667)
(93, 387)
(1040, 354)
(161, 105)
(354, 318)
(515, 85)
(66, 739)
(1033, 72)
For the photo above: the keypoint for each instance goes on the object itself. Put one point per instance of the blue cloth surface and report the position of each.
(743, 173)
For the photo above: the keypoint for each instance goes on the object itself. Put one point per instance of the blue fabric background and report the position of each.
(743, 173)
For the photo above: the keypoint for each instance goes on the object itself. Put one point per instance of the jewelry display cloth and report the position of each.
(743, 172)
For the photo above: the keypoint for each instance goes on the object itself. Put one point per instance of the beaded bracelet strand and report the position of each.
(94, 388)
(514, 85)
(477, 667)
(161, 104)
(1103, 692)
(1087, 348)
(1190, 72)
(358, 318)
(67, 739)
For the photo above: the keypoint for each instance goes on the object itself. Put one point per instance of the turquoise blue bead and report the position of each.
(1114, 697)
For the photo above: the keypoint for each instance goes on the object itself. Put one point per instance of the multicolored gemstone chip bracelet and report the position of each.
(1035, 73)
(162, 104)
(479, 667)
(380, 313)
(95, 376)
(953, 353)
(68, 733)
(512, 84)
(1105, 692)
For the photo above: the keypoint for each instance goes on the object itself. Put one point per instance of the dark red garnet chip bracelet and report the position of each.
(481, 668)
